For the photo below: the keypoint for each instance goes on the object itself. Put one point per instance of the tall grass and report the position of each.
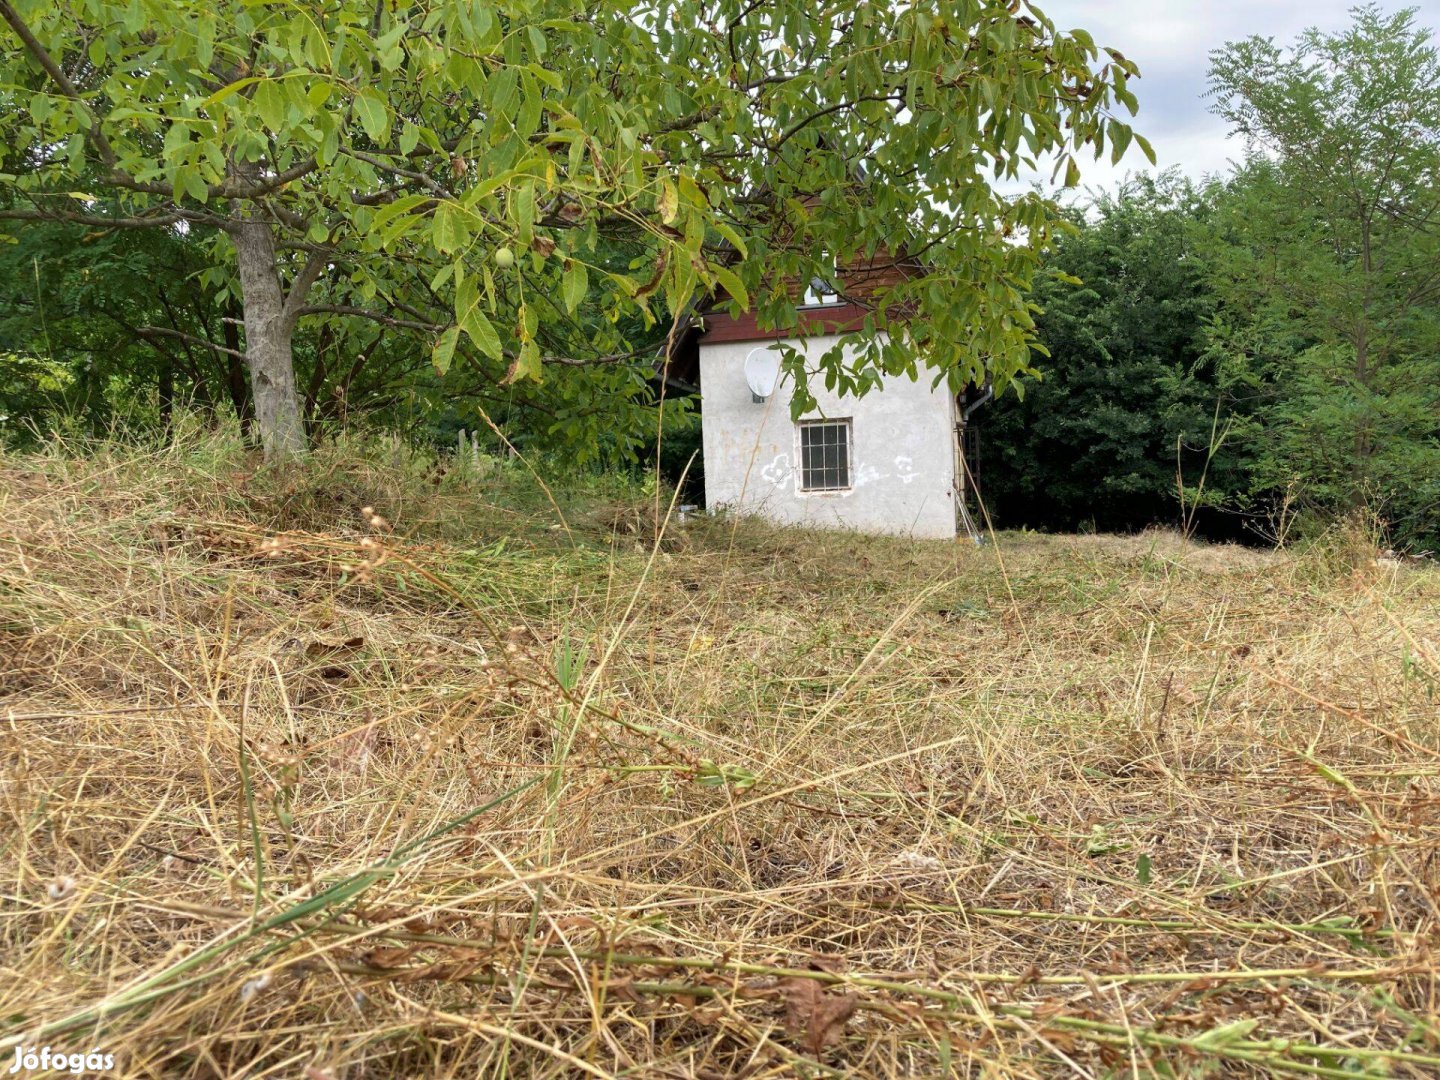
(447, 789)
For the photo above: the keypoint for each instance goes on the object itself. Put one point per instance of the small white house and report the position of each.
(886, 462)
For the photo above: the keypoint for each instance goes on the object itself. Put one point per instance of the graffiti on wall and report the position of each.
(781, 472)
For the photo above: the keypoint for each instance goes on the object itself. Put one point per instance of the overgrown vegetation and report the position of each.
(1131, 393)
(1272, 333)
(453, 786)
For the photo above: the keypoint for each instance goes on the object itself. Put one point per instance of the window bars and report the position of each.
(825, 455)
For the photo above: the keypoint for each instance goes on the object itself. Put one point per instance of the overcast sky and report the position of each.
(1171, 41)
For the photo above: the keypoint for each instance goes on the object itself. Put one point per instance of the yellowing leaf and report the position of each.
(669, 204)
(1145, 148)
(226, 91)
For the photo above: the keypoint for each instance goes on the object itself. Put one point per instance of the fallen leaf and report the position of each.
(820, 1017)
(387, 956)
(320, 647)
(834, 963)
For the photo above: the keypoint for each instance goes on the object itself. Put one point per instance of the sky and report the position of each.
(1171, 41)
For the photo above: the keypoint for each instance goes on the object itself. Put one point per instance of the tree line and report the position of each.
(1258, 351)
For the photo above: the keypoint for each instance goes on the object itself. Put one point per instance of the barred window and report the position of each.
(825, 455)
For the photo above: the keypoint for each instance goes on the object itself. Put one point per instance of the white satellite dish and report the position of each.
(762, 372)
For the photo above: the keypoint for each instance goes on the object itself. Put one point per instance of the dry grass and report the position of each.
(503, 799)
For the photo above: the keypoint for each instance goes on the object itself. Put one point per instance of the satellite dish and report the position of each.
(762, 372)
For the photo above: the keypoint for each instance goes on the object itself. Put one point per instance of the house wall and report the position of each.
(903, 458)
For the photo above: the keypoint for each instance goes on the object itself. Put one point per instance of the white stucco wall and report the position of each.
(903, 457)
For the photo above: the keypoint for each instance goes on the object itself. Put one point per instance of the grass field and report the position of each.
(469, 790)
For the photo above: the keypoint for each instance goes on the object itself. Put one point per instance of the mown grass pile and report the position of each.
(470, 784)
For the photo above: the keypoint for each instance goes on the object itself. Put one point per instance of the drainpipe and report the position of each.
(981, 400)
(966, 522)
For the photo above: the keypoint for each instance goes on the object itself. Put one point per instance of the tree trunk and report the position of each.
(269, 327)
(235, 381)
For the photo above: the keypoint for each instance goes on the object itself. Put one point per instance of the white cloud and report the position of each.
(1171, 41)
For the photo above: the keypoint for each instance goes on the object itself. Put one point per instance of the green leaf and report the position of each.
(444, 351)
(527, 117)
(1220, 1037)
(734, 286)
(448, 231)
(409, 137)
(1145, 148)
(269, 103)
(374, 115)
(522, 199)
(177, 143)
(574, 285)
(205, 40)
(189, 182)
(1120, 136)
(473, 321)
(395, 209)
(387, 47)
(230, 90)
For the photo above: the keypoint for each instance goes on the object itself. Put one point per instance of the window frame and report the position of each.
(830, 296)
(846, 424)
(815, 299)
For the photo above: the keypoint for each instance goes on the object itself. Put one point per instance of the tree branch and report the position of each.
(165, 331)
(300, 287)
(375, 316)
(159, 220)
(410, 174)
(436, 328)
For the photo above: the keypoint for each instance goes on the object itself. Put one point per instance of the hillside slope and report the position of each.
(460, 791)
